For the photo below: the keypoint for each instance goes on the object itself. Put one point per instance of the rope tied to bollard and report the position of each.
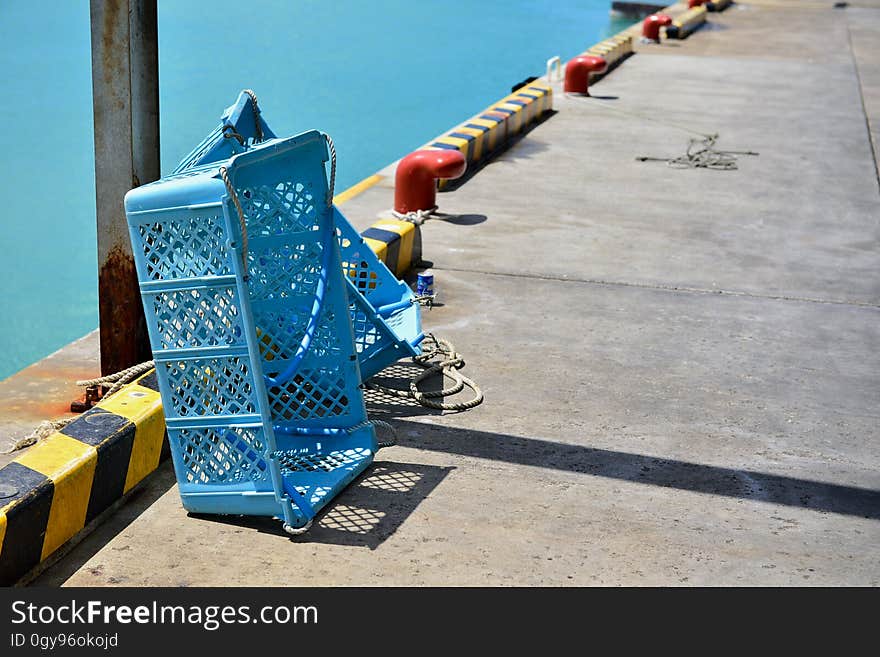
(419, 217)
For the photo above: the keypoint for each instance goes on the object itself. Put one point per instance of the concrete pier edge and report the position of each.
(60, 486)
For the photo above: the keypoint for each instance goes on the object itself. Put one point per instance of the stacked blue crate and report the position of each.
(248, 316)
(384, 313)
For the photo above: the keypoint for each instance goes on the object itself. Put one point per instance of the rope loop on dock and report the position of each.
(701, 154)
(440, 357)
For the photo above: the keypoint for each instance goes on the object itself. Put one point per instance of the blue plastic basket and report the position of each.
(385, 317)
(254, 354)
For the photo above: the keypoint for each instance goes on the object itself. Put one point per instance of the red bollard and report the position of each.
(577, 73)
(695, 3)
(653, 23)
(414, 184)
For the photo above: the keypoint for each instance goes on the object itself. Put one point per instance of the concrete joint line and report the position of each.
(855, 62)
(666, 288)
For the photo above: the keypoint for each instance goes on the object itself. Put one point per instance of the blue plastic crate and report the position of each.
(385, 317)
(255, 355)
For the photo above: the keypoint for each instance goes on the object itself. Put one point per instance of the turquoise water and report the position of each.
(381, 78)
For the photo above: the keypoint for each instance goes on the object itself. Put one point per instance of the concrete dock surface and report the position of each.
(681, 367)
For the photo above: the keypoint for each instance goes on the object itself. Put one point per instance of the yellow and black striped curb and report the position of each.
(481, 136)
(718, 5)
(686, 23)
(397, 243)
(614, 50)
(61, 484)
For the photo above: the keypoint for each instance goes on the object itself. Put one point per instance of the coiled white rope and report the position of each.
(440, 358)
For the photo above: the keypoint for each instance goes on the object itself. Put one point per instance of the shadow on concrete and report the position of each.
(366, 513)
(376, 505)
(385, 405)
(462, 219)
(62, 565)
(639, 468)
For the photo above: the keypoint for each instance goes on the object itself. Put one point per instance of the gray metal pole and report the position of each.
(125, 88)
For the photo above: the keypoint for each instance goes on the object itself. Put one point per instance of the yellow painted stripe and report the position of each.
(536, 102)
(379, 248)
(541, 86)
(477, 144)
(494, 131)
(354, 190)
(461, 144)
(484, 122)
(546, 96)
(2, 529)
(70, 464)
(691, 18)
(515, 119)
(143, 407)
(529, 110)
(407, 232)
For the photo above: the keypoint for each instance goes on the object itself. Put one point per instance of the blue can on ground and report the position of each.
(425, 283)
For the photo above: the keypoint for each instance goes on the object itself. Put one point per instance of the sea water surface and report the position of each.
(381, 77)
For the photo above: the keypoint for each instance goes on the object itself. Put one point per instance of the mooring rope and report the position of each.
(418, 217)
(701, 154)
(118, 380)
(43, 430)
(450, 361)
(592, 101)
